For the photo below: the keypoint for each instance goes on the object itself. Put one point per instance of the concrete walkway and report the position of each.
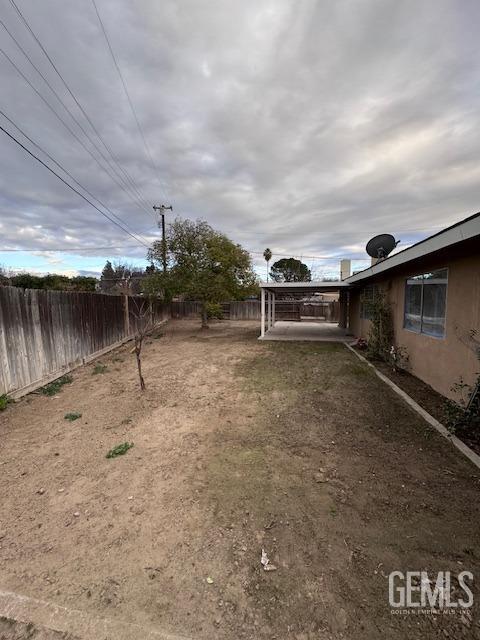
(306, 331)
(24, 617)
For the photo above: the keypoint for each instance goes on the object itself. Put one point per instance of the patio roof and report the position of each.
(314, 286)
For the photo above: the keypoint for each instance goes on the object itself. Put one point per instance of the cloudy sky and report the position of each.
(301, 125)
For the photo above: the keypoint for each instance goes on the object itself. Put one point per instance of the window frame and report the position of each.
(422, 285)
(373, 289)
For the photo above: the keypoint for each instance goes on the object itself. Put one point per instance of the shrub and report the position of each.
(54, 387)
(464, 415)
(398, 358)
(119, 450)
(214, 310)
(99, 368)
(4, 401)
(72, 416)
(380, 337)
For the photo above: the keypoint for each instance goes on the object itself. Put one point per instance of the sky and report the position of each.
(304, 126)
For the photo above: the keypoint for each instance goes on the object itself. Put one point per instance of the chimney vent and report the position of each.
(345, 269)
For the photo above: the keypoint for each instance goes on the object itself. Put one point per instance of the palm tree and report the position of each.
(267, 254)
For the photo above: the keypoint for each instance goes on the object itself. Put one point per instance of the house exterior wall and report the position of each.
(440, 362)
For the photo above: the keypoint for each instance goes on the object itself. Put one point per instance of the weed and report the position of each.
(4, 400)
(72, 416)
(99, 368)
(54, 387)
(126, 421)
(119, 450)
(333, 511)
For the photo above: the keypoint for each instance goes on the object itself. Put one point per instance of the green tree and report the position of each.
(4, 276)
(107, 279)
(204, 265)
(290, 270)
(83, 283)
(27, 281)
(53, 282)
(121, 277)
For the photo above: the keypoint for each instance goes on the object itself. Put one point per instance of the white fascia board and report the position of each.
(314, 284)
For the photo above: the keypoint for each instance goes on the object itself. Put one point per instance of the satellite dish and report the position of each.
(381, 246)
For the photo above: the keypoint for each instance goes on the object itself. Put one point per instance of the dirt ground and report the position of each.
(239, 445)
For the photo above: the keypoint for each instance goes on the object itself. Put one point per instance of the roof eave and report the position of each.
(306, 286)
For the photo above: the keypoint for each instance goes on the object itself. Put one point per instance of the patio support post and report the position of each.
(273, 310)
(262, 305)
(343, 301)
(269, 312)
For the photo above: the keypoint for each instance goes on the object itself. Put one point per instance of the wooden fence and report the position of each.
(43, 334)
(185, 309)
(251, 310)
(241, 310)
(328, 311)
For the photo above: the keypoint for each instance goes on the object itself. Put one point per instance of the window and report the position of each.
(367, 297)
(425, 303)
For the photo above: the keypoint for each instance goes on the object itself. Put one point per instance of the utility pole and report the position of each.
(162, 208)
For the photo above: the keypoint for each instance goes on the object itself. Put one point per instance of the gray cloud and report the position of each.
(304, 126)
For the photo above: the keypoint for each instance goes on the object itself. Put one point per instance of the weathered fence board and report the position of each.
(45, 332)
(185, 309)
(241, 310)
(327, 310)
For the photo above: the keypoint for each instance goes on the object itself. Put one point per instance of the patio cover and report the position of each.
(269, 290)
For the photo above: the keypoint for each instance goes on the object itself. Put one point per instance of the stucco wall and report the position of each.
(438, 361)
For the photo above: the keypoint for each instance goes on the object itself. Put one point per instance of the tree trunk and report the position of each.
(138, 353)
(204, 317)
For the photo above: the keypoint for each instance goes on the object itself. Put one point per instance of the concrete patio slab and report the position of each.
(306, 331)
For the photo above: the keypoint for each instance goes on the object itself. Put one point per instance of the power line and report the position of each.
(64, 82)
(67, 127)
(70, 187)
(67, 249)
(289, 255)
(302, 256)
(65, 171)
(124, 85)
(138, 196)
(77, 102)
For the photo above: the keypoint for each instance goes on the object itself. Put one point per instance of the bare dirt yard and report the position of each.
(296, 448)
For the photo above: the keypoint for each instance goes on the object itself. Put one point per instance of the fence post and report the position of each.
(126, 315)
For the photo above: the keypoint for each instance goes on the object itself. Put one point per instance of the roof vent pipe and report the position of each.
(345, 269)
